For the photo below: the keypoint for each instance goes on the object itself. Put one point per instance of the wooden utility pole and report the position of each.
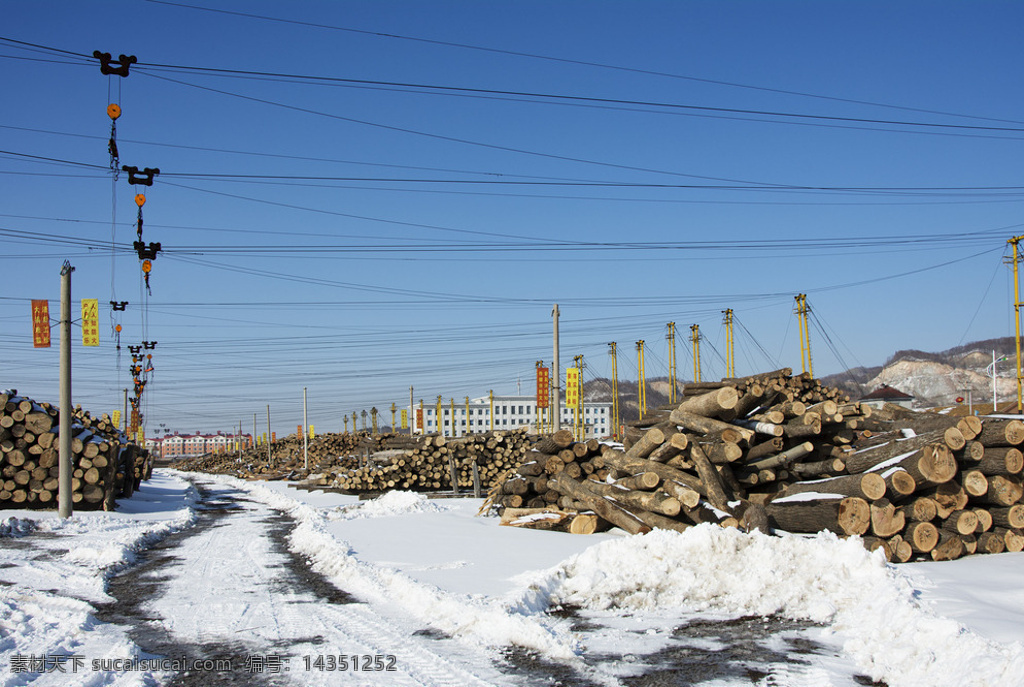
(671, 336)
(64, 456)
(695, 340)
(1016, 309)
(556, 399)
(615, 391)
(730, 348)
(641, 391)
(802, 311)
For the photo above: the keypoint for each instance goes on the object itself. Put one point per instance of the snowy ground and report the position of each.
(231, 582)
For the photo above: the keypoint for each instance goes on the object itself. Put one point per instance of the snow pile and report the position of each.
(832, 581)
(389, 504)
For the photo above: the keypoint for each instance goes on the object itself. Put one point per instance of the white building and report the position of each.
(510, 412)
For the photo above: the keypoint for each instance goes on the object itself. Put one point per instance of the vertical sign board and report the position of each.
(543, 384)
(572, 386)
(116, 418)
(419, 419)
(90, 322)
(41, 324)
(405, 418)
(312, 434)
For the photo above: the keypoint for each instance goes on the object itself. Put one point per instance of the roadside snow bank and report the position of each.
(869, 605)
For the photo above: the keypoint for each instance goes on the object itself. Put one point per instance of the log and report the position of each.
(869, 486)
(712, 403)
(1010, 517)
(714, 489)
(706, 425)
(850, 515)
(1001, 460)
(652, 439)
(783, 459)
(1003, 491)
(950, 547)
(961, 522)
(898, 482)
(1001, 433)
(675, 445)
(922, 536)
(600, 505)
(653, 502)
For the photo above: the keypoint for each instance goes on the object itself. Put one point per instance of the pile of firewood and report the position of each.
(435, 462)
(363, 462)
(286, 458)
(775, 451)
(105, 466)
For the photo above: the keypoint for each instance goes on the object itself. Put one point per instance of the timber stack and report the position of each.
(781, 452)
(436, 463)
(105, 465)
(362, 462)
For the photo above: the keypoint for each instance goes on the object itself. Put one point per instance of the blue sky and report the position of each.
(360, 197)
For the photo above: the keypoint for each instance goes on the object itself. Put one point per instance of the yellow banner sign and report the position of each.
(572, 386)
(90, 322)
(405, 418)
(116, 418)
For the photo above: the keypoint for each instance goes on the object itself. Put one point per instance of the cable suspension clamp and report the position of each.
(118, 305)
(149, 345)
(145, 177)
(147, 252)
(123, 63)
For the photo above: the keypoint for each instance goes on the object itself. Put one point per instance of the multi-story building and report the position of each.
(186, 445)
(510, 412)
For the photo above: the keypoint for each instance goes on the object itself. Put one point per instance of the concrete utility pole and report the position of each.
(64, 476)
(305, 431)
(412, 414)
(556, 399)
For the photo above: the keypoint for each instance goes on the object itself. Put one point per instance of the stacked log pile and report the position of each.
(287, 456)
(436, 463)
(777, 451)
(105, 466)
(364, 463)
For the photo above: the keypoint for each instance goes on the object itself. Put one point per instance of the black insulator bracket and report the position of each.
(149, 345)
(123, 63)
(118, 305)
(146, 252)
(145, 177)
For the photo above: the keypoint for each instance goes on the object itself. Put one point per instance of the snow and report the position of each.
(434, 562)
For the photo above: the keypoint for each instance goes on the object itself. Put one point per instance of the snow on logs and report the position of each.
(105, 466)
(777, 451)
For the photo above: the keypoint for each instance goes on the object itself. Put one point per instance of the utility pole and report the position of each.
(254, 430)
(695, 340)
(125, 414)
(64, 456)
(469, 420)
(269, 435)
(1016, 307)
(412, 414)
(491, 392)
(730, 350)
(641, 391)
(615, 391)
(393, 409)
(671, 336)
(305, 431)
(556, 399)
(802, 311)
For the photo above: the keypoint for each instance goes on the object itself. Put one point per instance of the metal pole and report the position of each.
(556, 400)
(994, 404)
(305, 431)
(268, 434)
(126, 412)
(412, 414)
(64, 476)
(254, 430)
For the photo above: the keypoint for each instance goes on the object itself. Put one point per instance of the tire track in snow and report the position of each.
(230, 588)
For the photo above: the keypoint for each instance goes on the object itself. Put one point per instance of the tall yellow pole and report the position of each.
(730, 350)
(437, 410)
(492, 409)
(642, 394)
(805, 333)
(1016, 307)
(615, 391)
(695, 340)
(671, 362)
